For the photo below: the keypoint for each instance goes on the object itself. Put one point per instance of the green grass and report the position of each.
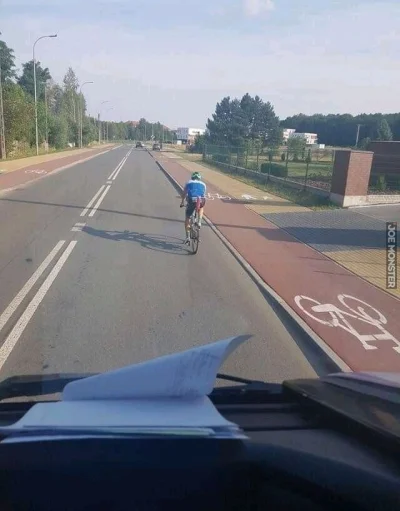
(296, 169)
(189, 156)
(300, 197)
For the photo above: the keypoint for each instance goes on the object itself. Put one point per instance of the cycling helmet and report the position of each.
(196, 176)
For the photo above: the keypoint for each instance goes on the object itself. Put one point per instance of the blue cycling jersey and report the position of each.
(195, 189)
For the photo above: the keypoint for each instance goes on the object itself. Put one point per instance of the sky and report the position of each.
(172, 60)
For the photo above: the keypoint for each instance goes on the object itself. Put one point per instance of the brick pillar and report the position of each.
(350, 179)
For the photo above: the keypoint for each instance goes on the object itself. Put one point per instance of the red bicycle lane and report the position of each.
(358, 321)
(35, 171)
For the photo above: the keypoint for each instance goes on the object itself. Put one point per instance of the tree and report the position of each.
(18, 115)
(54, 97)
(262, 123)
(70, 81)
(383, 131)
(296, 147)
(229, 123)
(26, 80)
(70, 97)
(365, 143)
(198, 145)
(7, 63)
(235, 122)
(58, 132)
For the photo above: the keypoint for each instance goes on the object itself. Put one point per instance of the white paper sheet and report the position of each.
(197, 412)
(190, 373)
(166, 393)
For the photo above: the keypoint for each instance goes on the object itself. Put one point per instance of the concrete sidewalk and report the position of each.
(347, 237)
(30, 172)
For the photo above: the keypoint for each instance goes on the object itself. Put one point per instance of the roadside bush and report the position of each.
(252, 165)
(221, 158)
(325, 178)
(276, 169)
(381, 184)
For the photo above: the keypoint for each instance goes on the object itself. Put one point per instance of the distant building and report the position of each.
(310, 138)
(286, 133)
(188, 135)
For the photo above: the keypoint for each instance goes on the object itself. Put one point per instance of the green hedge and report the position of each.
(221, 158)
(274, 169)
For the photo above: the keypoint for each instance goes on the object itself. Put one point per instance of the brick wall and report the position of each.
(339, 175)
(351, 172)
(358, 173)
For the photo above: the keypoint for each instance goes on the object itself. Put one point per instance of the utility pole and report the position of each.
(98, 122)
(81, 106)
(2, 128)
(358, 133)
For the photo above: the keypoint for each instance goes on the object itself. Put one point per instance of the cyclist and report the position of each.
(194, 189)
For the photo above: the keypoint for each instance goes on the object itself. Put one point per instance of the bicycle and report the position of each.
(194, 226)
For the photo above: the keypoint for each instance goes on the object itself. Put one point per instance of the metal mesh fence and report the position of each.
(306, 168)
(385, 175)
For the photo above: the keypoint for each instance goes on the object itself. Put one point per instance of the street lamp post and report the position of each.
(81, 114)
(45, 109)
(2, 128)
(358, 133)
(107, 123)
(34, 86)
(102, 103)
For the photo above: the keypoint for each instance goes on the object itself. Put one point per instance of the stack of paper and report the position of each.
(165, 396)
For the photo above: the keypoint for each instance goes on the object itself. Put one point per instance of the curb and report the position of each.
(58, 169)
(332, 362)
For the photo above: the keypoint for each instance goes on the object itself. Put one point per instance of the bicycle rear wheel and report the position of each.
(194, 235)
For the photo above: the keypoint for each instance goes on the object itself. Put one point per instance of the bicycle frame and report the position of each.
(194, 229)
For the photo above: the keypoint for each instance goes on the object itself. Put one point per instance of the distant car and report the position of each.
(139, 145)
(156, 147)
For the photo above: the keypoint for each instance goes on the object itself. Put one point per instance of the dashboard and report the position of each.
(296, 457)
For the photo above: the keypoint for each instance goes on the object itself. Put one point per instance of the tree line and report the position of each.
(341, 129)
(59, 106)
(250, 120)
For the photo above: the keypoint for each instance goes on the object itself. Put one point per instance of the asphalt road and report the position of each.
(121, 287)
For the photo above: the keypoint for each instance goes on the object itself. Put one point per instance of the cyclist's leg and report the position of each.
(201, 211)
(188, 213)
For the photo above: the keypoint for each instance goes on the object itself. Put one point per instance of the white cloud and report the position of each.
(256, 7)
(345, 62)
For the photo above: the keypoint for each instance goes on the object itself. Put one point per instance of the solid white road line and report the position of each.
(29, 285)
(23, 321)
(99, 201)
(116, 169)
(119, 170)
(92, 201)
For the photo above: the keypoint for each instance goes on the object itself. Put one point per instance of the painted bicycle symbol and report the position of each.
(355, 312)
(212, 196)
(35, 171)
